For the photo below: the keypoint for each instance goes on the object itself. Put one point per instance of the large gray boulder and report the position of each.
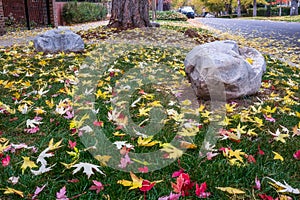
(58, 40)
(223, 65)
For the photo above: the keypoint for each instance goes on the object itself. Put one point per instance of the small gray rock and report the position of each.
(155, 24)
(237, 69)
(54, 41)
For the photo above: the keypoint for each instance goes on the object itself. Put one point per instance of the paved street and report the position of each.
(288, 32)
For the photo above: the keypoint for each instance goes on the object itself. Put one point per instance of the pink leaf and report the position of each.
(98, 123)
(61, 195)
(37, 191)
(177, 173)
(200, 191)
(32, 130)
(270, 119)
(170, 197)
(210, 155)
(297, 155)
(98, 186)
(257, 184)
(143, 169)
(5, 161)
(72, 144)
(125, 161)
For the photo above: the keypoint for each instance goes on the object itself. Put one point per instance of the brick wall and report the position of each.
(2, 24)
(37, 11)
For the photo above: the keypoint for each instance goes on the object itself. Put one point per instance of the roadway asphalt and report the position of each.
(286, 32)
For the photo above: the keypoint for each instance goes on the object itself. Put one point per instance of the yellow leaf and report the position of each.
(230, 108)
(118, 134)
(171, 150)
(55, 146)
(231, 190)
(144, 111)
(249, 60)
(187, 145)
(277, 156)
(8, 190)
(190, 131)
(147, 142)
(103, 159)
(27, 163)
(201, 108)
(155, 104)
(186, 102)
(70, 165)
(135, 183)
(4, 146)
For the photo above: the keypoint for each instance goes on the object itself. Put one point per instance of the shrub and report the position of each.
(274, 11)
(74, 12)
(169, 15)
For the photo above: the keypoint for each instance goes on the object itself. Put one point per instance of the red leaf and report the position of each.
(250, 158)
(297, 155)
(183, 184)
(5, 161)
(146, 186)
(265, 197)
(177, 173)
(200, 191)
(260, 152)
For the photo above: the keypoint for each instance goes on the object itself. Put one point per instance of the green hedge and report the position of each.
(74, 12)
(274, 11)
(169, 15)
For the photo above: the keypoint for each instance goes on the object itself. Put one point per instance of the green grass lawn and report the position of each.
(46, 116)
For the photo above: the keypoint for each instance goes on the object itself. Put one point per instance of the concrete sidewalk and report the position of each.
(23, 37)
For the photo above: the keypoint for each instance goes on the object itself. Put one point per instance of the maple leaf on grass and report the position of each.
(183, 184)
(9, 190)
(231, 190)
(172, 151)
(283, 188)
(98, 186)
(170, 197)
(37, 191)
(27, 163)
(200, 190)
(87, 168)
(61, 195)
(135, 183)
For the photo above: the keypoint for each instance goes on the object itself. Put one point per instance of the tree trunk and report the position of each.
(160, 5)
(239, 8)
(254, 8)
(126, 14)
(294, 7)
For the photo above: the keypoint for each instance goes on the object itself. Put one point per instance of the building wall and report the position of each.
(37, 9)
(2, 23)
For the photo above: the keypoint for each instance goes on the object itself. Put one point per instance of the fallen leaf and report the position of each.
(231, 190)
(87, 168)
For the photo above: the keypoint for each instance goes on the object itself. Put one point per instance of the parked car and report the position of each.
(188, 11)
